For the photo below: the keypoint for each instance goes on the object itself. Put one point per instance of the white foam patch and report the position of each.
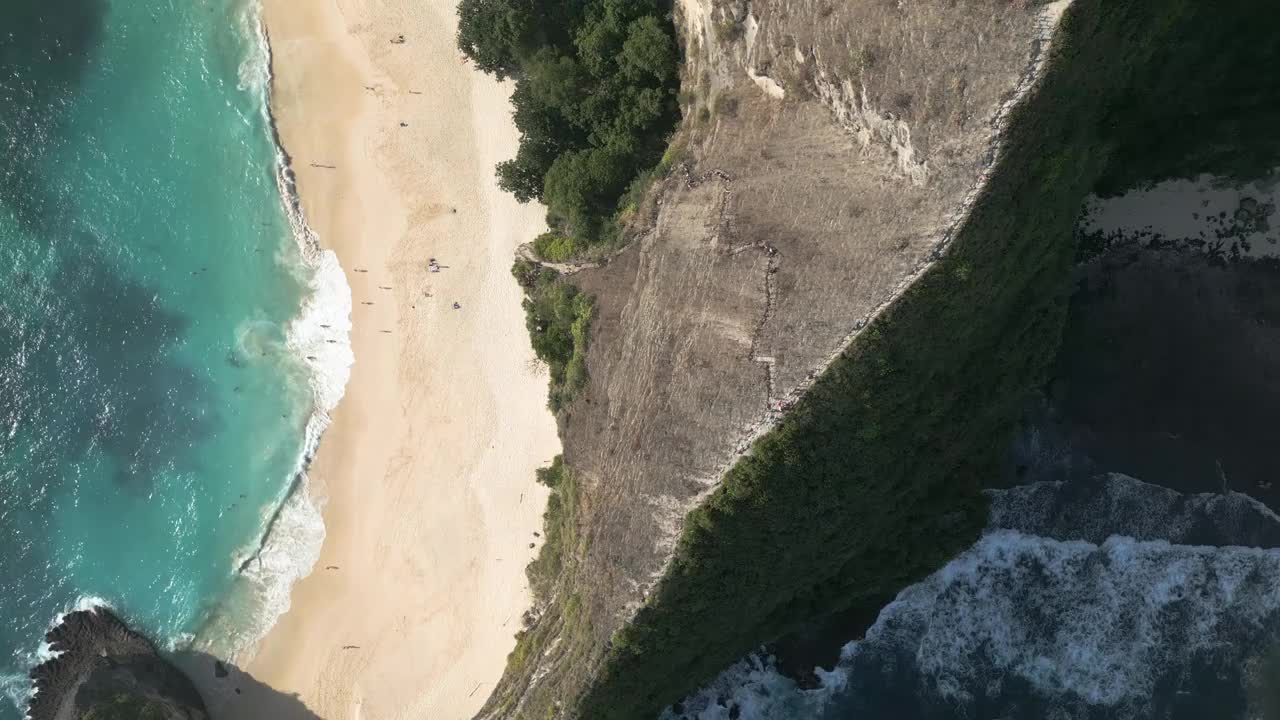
(288, 553)
(753, 689)
(1211, 214)
(1121, 613)
(1084, 626)
(254, 72)
(325, 317)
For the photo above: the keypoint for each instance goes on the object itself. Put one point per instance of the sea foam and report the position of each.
(1020, 626)
(319, 339)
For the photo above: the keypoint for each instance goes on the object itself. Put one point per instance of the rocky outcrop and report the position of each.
(105, 671)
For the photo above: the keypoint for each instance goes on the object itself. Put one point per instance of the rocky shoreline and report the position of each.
(103, 670)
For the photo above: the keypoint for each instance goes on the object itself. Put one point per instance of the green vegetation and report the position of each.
(554, 247)
(595, 99)
(872, 480)
(562, 622)
(558, 525)
(558, 318)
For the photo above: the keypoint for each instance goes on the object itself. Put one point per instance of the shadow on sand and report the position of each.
(232, 694)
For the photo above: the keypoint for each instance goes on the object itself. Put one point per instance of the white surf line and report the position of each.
(319, 338)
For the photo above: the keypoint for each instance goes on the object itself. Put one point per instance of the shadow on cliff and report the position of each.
(233, 694)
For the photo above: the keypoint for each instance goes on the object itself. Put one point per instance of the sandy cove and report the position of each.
(428, 468)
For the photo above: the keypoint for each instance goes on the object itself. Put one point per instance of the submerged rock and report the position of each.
(105, 671)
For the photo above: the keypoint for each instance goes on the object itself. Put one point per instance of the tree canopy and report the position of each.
(594, 102)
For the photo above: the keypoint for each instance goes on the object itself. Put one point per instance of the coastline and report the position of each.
(426, 472)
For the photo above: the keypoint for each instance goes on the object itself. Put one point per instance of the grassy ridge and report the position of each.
(871, 481)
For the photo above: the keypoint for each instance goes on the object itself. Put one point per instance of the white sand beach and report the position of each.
(428, 468)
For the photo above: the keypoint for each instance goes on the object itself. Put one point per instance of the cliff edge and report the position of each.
(808, 360)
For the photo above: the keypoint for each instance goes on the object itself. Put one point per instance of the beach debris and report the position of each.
(398, 40)
(474, 689)
(404, 124)
(366, 302)
(385, 331)
(384, 287)
(323, 166)
(415, 92)
(330, 567)
(456, 306)
(433, 266)
(350, 647)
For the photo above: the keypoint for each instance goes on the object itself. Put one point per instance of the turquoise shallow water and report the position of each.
(152, 404)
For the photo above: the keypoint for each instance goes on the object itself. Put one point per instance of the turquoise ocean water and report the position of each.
(162, 353)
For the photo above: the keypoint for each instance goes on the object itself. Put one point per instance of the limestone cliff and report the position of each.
(831, 311)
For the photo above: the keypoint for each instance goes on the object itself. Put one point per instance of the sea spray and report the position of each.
(1027, 627)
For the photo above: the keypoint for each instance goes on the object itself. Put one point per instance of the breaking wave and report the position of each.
(1022, 626)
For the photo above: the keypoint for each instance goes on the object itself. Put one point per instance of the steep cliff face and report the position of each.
(829, 152)
(841, 146)
(105, 671)
(833, 308)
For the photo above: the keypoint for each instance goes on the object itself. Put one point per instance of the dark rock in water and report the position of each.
(219, 670)
(105, 671)
(818, 643)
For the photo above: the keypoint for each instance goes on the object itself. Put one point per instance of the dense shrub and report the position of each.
(595, 99)
(554, 247)
(558, 318)
(558, 523)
